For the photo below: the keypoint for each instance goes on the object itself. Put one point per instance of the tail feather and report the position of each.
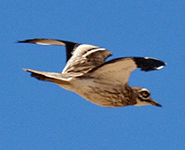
(47, 76)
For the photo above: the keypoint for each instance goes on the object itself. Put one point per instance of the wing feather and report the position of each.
(117, 71)
(70, 46)
(43, 42)
(81, 58)
(85, 58)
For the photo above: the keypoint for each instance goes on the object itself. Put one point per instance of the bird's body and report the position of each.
(103, 83)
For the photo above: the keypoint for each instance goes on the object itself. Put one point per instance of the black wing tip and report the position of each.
(26, 41)
(149, 64)
(20, 42)
(68, 43)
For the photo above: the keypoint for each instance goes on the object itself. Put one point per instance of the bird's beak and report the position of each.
(155, 103)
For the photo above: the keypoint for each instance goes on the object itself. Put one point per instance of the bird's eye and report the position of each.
(145, 93)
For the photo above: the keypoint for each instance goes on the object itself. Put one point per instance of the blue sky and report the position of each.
(40, 115)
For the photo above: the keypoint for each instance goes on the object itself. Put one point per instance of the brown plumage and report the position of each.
(103, 83)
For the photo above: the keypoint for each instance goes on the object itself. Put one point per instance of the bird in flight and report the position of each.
(101, 82)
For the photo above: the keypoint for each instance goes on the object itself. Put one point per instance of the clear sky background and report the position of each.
(36, 115)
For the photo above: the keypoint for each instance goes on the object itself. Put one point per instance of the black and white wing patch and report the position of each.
(148, 64)
(118, 70)
(81, 58)
(85, 58)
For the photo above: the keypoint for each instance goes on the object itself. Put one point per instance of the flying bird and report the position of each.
(101, 82)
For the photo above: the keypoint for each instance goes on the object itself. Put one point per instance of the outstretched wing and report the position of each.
(81, 58)
(70, 46)
(118, 70)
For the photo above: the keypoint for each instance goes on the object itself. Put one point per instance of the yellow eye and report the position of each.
(145, 94)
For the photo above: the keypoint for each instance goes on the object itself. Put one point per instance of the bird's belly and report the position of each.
(100, 93)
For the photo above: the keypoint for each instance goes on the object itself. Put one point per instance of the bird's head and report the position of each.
(143, 97)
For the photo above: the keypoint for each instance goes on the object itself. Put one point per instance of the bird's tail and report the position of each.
(48, 76)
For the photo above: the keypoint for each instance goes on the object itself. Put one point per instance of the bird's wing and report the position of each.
(81, 58)
(118, 70)
(85, 58)
(70, 46)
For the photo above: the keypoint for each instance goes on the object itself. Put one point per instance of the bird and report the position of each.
(104, 83)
